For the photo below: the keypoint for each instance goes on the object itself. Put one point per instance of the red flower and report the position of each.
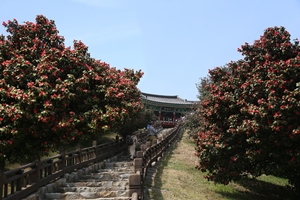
(42, 93)
(30, 84)
(25, 97)
(47, 103)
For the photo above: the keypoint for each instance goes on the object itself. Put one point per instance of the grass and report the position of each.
(177, 179)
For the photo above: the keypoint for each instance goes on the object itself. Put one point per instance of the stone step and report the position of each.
(101, 198)
(105, 176)
(90, 189)
(87, 195)
(116, 169)
(93, 183)
(125, 164)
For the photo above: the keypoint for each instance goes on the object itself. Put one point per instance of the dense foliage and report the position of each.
(136, 121)
(52, 95)
(251, 113)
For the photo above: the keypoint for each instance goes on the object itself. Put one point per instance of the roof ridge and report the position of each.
(158, 95)
(174, 99)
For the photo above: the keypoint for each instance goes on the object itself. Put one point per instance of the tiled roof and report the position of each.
(171, 99)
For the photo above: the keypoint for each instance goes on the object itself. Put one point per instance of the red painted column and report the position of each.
(159, 114)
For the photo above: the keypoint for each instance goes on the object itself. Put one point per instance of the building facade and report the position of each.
(168, 108)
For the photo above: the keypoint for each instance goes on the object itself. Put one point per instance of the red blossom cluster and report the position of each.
(251, 115)
(52, 95)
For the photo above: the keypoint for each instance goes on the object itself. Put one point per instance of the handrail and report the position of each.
(20, 182)
(144, 160)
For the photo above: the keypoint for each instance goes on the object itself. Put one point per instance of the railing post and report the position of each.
(49, 168)
(117, 138)
(79, 159)
(134, 196)
(137, 164)
(2, 166)
(19, 180)
(135, 185)
(95, 150)
(37, 176)
(139, 154)
(1, 183)
(70, 159)
(143, 148)
(62, 153)
(118, 142)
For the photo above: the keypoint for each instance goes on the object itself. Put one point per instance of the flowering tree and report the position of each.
(251, 114)
(52, 95)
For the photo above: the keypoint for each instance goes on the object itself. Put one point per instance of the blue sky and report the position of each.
(173, 42)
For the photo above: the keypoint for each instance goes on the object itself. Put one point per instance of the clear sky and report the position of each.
(174, 42)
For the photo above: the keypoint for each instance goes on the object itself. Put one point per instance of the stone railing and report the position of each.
(146, 158)
(22, 181)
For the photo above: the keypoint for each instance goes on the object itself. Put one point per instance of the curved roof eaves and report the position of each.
(174, 99)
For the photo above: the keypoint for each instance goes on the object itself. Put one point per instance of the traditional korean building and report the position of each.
(168, 108)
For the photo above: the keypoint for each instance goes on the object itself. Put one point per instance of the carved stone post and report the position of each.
(137, 164)
(62, 153)
(95, 150)
(2, 166)
(143, 148)
(139, 154)
(79, 158)
(135, 184)
(1, 182)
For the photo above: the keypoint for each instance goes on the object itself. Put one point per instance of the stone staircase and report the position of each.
(109, 182)
(106, 180)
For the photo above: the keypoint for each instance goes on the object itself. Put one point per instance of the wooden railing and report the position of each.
(146, 158)
(22, 181)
